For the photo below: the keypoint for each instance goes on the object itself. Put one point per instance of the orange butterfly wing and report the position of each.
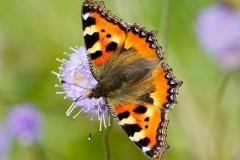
(146, 124)
(103, 33)
(106, 35)
(144, 42)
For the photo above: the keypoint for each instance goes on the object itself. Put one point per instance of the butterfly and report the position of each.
(138, 86)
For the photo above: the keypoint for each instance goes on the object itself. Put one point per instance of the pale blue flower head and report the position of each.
(77, 82)
(218, 32)
(24, 123)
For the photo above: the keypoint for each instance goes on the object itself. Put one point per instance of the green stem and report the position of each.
(218, 111)
(39, 152)
(216, 108)
(222, 87)
(165, 23)
(106, 140)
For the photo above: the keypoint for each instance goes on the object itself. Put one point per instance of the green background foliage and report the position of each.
(203, 125)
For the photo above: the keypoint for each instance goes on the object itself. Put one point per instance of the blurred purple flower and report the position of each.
(77, 82)
(24, 123)
(4, 144)
(218, 31)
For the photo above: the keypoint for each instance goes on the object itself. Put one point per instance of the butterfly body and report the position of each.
(138, 86)
(125, 78)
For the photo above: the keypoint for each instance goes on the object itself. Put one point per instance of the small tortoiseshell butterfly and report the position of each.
(139, 88)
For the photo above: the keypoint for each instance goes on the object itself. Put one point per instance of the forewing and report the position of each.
(165, 87)
(144, 42)
(103, 32)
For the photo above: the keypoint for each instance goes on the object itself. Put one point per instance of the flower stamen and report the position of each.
(70, 109)
(76, 115)
(57, 74)
(62, 92)
(63, 61)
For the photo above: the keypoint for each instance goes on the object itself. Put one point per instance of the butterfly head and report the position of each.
(95, 93)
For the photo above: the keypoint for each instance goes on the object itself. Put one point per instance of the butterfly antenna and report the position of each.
(62, 81)
(79, 99)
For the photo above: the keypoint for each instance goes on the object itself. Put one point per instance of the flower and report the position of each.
(217, 29)
(4, 143)
(77, 82)
(24, 123)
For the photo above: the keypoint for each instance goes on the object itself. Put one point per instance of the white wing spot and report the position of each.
(172, 90)
(172, 82)
(129, 120)
(149, 112)
(143, 33)
(116, 39)
(168, 76)
(167, 105)
(136, 29)
(137, 136)
(89, 30)
(153, 46)
(145, 149)
(96, 47)
(85, 16)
